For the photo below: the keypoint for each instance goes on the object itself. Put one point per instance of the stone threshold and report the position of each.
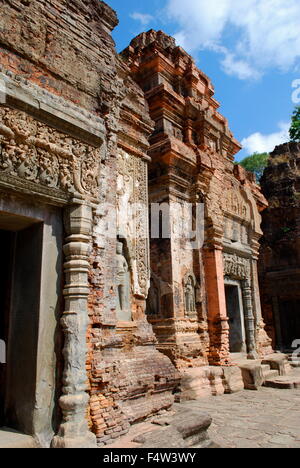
(9, 438)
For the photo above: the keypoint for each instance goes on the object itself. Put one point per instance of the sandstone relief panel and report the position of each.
(123, 285)
(190, 294)
(34, 152)
(236, 267)
(132, 217)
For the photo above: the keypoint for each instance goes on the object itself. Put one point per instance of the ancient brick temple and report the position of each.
(280, 252)
(102, 322)
(192, 162)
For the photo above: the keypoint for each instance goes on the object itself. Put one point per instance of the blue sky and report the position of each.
(250, 49)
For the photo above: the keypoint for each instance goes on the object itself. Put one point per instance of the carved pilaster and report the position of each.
(74, 432)
(249, 319)
(264, 342)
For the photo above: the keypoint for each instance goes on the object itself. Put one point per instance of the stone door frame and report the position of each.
(238, 268)
(74, 431)
(239, 286)
(77, 193)
(40, 401)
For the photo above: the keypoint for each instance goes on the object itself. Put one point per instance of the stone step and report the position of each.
(257, 373)
(12, 439)
(265, 368)
(295, 363)
(268, 373)
(294, 359)
(278, 362)
(272, 374)
(288, 382)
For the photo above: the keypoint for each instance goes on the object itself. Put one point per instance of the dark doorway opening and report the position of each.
(289, 322)
(7, 240)
(234, 313)
(20, 277)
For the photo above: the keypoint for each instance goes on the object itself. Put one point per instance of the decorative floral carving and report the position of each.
(33, 151)
(90, 170)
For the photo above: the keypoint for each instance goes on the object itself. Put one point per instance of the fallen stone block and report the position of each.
(188, 428)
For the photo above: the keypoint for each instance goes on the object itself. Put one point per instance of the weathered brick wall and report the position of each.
(129, 378)
(62, 46)
(65, 49)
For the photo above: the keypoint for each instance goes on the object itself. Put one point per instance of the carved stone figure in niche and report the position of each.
(123, 285)
(189, 293)
(153, 300)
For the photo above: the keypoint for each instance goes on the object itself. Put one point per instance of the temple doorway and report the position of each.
(19, 306)
(235, 313)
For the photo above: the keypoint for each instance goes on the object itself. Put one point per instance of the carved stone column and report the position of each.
(264, 342)
(74, 432)
(249, 319)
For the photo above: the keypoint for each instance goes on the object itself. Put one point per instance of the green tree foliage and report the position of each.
(256, 163)
(295, 127)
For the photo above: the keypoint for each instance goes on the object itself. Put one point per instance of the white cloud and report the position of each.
(262, 33)
(144, 18)
(239, 68)
(257, 142)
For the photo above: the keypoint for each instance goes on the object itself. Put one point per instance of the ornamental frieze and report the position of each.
(236, 267)
(33, 151)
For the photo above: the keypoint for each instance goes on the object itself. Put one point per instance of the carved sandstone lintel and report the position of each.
(73, 431)
(236, 267)
(34, 152)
